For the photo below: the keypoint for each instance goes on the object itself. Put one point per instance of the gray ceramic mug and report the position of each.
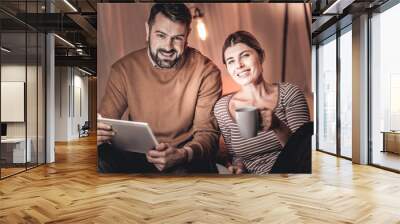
(247, 120)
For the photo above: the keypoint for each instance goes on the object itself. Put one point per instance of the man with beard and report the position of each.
(172, 87)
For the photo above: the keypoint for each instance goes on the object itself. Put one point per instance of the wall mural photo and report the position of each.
(201, 88)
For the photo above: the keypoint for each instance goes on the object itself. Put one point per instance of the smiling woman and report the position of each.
(243, 63)
(282, 110)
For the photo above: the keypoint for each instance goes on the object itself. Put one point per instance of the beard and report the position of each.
(164, 63)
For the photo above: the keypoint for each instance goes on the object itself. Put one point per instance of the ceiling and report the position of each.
(332, 15)
(76, 24)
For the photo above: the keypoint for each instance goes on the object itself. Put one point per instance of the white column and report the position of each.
(50, 100)
(360, 90)
(50, 92)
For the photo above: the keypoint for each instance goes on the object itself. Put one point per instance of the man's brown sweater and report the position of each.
(177, 103)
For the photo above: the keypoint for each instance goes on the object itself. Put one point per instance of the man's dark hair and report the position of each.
(177, 12)
(243, 37)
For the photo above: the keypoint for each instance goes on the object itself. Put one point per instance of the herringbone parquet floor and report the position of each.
(71, 191)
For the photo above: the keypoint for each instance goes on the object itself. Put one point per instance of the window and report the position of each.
(385, 88)
(327, 95)
(346, 93)
(22, 64)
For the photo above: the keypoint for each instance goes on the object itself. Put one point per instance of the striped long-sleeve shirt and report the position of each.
(259, 153)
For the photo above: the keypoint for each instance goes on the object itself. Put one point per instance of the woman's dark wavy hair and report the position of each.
(243, 37)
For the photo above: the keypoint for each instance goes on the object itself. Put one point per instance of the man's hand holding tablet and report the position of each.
(138, 137)
(126, 135)
(104, 131)
(165, 156)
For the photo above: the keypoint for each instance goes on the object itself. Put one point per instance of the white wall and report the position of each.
(70, 83)
(33, 127)
(16, 73)
(61, 103)
(80, 118)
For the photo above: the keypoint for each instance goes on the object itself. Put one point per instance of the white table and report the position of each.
(18, 144)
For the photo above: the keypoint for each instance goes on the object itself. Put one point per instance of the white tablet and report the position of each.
(131, 135)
